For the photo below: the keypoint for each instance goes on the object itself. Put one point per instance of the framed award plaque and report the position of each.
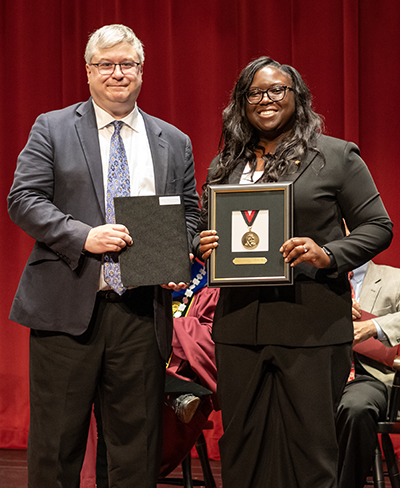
(252, 222)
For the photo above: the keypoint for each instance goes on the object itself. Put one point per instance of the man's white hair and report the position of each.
(110, 35)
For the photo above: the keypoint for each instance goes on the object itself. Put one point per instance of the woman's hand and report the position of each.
(208, 242)
(304, 250)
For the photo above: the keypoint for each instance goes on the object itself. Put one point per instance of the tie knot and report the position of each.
(117, 126)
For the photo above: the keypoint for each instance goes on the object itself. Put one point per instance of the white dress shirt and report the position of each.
(138, 155)
(247, 179)
(137, 149)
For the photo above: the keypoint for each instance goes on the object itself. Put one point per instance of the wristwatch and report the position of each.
(331, 257)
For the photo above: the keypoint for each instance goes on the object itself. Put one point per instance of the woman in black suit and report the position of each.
(284, 352)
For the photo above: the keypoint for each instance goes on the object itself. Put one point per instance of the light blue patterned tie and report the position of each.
(118, 185)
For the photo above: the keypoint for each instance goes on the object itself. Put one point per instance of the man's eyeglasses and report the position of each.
(108, 68)
(275, 94)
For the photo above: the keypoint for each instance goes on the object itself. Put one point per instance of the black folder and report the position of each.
(160, 252)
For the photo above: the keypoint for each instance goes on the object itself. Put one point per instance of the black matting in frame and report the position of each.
(231, 264)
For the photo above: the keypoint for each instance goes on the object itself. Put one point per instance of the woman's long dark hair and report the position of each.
(240, 140)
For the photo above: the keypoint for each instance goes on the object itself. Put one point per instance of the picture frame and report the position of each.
(252, 223)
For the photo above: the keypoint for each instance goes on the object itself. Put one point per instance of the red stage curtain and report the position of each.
(347, 51)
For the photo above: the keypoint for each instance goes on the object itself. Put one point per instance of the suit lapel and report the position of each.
(310, 156)
(371, 287)
(159, 148)
(86, 128)
(234, 177)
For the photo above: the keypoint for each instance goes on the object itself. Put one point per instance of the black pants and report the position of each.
(278, 410)
(118, 356)
(363, 404)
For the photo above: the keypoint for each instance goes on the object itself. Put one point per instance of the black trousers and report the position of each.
(278, 411)
(363, 404)
(117, 356)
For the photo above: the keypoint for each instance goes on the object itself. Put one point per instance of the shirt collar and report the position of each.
(103, 118)
(359, 272)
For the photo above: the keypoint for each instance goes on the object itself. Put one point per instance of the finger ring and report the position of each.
(305, 249)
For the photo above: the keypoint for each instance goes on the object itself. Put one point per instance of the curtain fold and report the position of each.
(346, 50)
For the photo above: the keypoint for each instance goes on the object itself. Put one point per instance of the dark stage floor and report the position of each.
(13, 471)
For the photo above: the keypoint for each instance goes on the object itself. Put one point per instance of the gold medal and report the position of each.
(250, 240)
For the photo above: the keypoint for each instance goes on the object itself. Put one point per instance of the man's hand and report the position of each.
(107, 238)
(175, 286)
(363, 330)
(178, 286)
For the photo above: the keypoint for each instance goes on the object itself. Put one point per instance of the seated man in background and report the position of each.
(365, 398)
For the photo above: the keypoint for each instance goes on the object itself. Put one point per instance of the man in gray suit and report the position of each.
(365, 399)
(85, 334)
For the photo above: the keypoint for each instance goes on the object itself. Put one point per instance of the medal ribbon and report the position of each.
(249, 216)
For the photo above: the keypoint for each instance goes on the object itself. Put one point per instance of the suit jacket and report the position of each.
(58, 196)
(380, 295)
(316, 310)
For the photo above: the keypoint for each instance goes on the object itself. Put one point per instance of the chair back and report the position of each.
(394, 403)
